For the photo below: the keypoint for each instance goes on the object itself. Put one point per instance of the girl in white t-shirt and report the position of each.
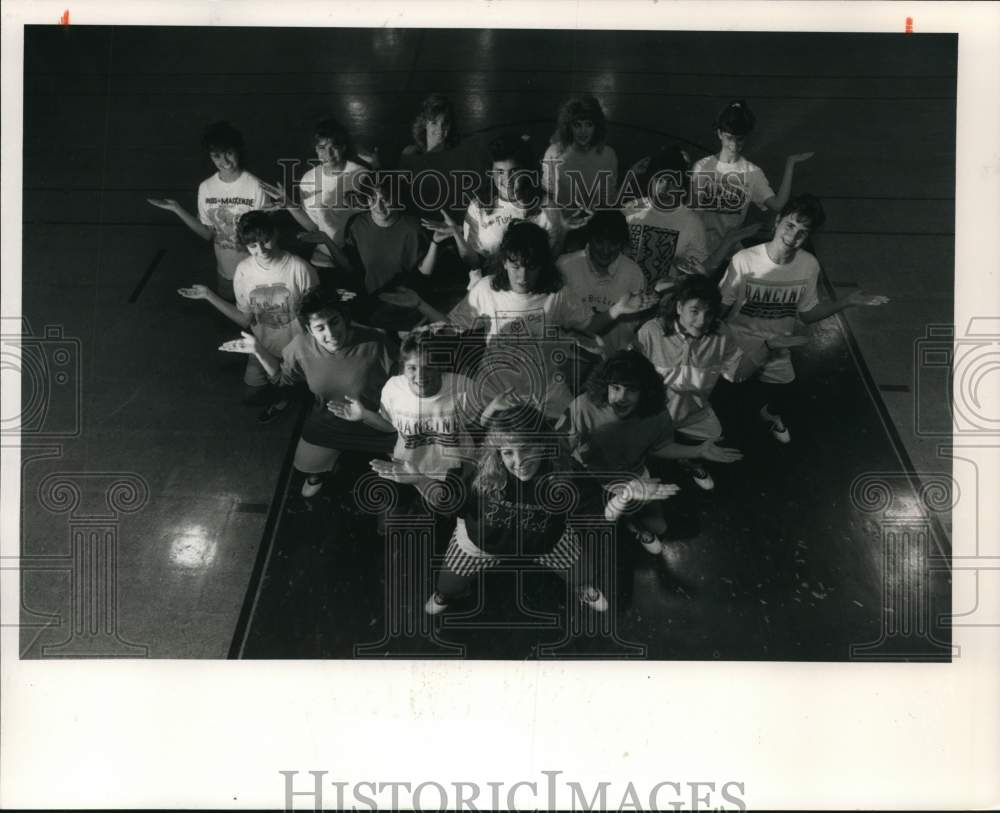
(222, 199)
(430, 409)
(724, 185)
(524, 306)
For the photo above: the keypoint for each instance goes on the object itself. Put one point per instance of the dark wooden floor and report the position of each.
(792, 558)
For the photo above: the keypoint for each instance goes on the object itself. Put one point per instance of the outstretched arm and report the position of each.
(635, 302)
(703, 451)
(449, 229)
(637, 490)
(280, 200)
(427, 264)
(351, 409)
(188, 219)
(407, 298)
(854, 299)
(217, 302)
(248, 344)
(340, 257)
(776, 203)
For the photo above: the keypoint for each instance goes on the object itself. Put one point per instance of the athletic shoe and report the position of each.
(272, 411)
(702, 478)
(649, 541)
(593, 598)
(311, 486)
(435, 604)
(778, 429)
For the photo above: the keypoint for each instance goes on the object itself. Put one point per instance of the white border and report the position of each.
(214, 734)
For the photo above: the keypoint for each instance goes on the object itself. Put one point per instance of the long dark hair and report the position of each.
(528, 244)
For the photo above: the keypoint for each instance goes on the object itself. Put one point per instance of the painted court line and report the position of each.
(145, 277)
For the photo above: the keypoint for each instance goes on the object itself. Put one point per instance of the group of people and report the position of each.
(595, 315)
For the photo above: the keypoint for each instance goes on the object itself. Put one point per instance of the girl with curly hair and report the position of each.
(434, 128)
(579, 170)
(521, 506)
(619, 422)
(521, 305)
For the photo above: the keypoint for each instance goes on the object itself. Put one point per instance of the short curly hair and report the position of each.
(632, 369)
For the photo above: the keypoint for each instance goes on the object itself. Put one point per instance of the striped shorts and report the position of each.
(465, 559)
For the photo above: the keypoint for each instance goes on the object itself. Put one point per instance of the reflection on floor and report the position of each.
(158, 520)
(805, 552)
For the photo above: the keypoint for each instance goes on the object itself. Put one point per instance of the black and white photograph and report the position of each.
(605, 347)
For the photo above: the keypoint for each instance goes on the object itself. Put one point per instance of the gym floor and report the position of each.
(160, 520)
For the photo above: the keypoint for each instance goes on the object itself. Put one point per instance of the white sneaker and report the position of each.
(311, 487)
(778, 429)
(649, 541)
(702, 478)
(593, 598)
(435, 604)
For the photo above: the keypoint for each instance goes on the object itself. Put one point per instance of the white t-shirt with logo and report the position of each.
(519, 315)
(220, 205)
(766, 300)
(665, 243)
(484, 230)
(722, 194)
(599, 292)
(516, 356)
(330, 201)
(431, 430)
(271, 296)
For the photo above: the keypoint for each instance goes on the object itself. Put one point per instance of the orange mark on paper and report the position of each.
(64, 20)
(909, 25)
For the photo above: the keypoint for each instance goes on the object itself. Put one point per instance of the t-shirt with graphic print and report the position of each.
(484, 229)
(766, 300)
(519, 315)
(722, 194)
(271, 296)
(431, 430)
(220, 205)
(665, 243)
(529, 518)
(599, 292)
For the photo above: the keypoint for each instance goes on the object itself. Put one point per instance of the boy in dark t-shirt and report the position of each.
(384, 248)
